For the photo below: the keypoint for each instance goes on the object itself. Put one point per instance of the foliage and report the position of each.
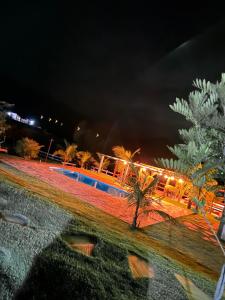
(68, 154)
(140, 191)
(122, 153)
(200, 156)
(3, 124)
(27, 148)
(96, 162)
(83, 158)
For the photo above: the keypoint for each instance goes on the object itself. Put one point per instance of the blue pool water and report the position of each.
(92, 182)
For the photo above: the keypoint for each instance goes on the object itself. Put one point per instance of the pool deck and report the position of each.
(118, 207)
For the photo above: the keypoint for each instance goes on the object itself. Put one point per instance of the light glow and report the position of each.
(31, 122)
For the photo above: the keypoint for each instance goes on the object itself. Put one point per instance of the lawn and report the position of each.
(42, 264)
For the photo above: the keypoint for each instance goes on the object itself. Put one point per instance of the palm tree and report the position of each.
(83, 158)
(126, 155)
(68, 154)
(96, 162)
(139, 196)
(122, 153)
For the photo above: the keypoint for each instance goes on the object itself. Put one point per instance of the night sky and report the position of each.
(111, 69)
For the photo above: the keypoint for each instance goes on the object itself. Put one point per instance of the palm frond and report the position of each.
(161, 213)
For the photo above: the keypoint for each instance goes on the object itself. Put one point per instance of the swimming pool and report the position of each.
(112, 190)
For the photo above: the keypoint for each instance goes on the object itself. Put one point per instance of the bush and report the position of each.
(27, 148)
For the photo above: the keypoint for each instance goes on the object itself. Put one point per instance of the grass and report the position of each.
(59, 271)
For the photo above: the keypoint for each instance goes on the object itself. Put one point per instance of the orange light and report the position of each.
(125, 162)
(180, 180)
(172, 178)
(166, 176)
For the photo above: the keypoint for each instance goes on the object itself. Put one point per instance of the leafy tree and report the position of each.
(140, 196)
(200, 156)
(68, 154)
(27, 148)
(3, 124)
(83, 158)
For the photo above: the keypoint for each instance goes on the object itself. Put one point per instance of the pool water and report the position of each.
(92, 182)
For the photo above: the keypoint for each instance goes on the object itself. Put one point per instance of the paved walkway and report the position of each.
(115, 206)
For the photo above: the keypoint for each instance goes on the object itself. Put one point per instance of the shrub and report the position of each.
(27, 148)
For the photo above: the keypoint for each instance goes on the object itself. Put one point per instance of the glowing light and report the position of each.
(180, 180)
(42, 117)
(49, 119)
(9, 113)
(166, 176)
(61, 124)
(56, 121)
(78, 128)
(172, 178)
(97, 135)
(125, 162)
(31, 122)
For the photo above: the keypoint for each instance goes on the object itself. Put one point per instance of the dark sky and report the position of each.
(112, 69)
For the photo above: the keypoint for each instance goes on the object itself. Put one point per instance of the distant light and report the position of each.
(61, 124)
(31, 122)
(56, 121)
(125, 162)
(172, 178)
(78, 128)
(9, 113)
(49, 119)
(166, 176)
(97, 135)
(42, 117)
(180, 180)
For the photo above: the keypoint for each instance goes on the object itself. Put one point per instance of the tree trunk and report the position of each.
(134, 223)
(189, 203)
